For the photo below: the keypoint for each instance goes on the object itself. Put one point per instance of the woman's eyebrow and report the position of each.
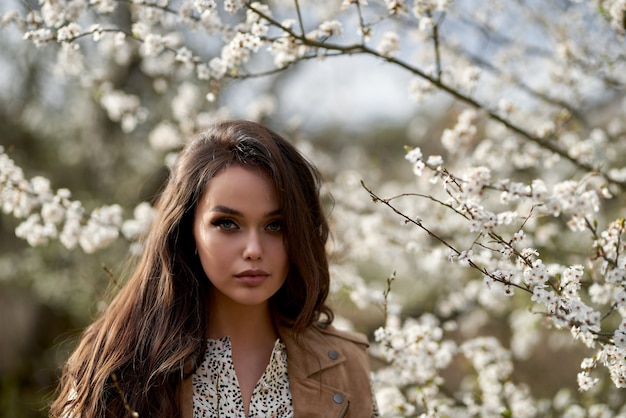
(273, 213)
(226, 210)
(230, 211)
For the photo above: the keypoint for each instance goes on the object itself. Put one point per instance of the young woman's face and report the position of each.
(238, 231)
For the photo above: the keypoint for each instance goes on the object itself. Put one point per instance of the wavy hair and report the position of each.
(151, 336)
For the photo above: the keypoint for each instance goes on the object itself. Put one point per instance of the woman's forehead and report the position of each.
(242, 189)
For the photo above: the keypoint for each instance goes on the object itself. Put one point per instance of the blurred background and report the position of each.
(351, 115)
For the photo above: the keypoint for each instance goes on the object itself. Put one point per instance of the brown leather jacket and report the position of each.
(328, 374)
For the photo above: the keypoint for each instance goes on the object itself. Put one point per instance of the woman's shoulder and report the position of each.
(321, 338)
(330, 331)
(322, 346)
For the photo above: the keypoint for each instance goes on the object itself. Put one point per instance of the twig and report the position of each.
(116, 383)
(418, 223)
(300, 21)
(386, 293)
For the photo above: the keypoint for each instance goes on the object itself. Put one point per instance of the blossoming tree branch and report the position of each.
(516, 208)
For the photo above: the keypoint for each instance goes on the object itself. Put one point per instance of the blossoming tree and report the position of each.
(515, 212)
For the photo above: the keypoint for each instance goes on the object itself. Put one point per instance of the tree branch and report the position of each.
(364, 49)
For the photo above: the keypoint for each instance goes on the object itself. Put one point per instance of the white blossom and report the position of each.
(122, 107)
(217, 68)
(203, 72)
(185, 56)
(346, 3)
(96, 31)
(285, 50)
(133, 229)
(462, 133)
(165, 137)
(419, 89)
(104, 6)
(469, 78)
(203, 6)
(70, 60)
(391, 402)
(39, 36)
(465, 257)
(586, 382)
(102, 228)
(396, 7)
(389, 44)
(153, 44)
(327, 29)
(232, 6)
(69, 32)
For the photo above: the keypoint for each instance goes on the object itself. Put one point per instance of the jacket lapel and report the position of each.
(313, 394)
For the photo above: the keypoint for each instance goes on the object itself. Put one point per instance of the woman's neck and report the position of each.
(243, 324)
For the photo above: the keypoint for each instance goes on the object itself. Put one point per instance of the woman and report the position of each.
(225, 314)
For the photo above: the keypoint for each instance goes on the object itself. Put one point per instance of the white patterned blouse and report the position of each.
(216, 391)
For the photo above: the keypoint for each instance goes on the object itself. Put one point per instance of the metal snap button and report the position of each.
(333, 355)
(338, 398)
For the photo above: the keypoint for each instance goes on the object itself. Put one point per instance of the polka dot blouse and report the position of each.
(216, 391)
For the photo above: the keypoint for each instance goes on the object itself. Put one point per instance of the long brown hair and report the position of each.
(151, 336)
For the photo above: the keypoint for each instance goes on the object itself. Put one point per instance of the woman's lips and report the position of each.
(252, 277)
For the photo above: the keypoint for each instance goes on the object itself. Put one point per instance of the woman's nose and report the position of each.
(253, 249)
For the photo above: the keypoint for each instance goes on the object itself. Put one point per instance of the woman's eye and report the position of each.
(274, 226)
(225, 224)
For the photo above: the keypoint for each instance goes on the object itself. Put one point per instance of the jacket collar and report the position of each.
(311, 353)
